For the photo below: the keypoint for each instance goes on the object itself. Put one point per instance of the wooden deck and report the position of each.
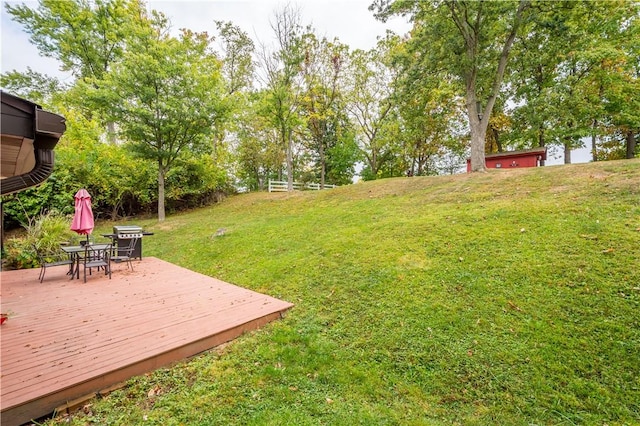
(66, 339)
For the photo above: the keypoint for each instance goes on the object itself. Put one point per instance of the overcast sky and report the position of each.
(348, 20)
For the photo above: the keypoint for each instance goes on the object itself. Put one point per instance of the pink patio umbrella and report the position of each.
(82, 222)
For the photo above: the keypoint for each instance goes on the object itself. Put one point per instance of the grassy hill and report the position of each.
(510, 297)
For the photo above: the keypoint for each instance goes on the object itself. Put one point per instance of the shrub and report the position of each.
(19, 254)
(44, 233)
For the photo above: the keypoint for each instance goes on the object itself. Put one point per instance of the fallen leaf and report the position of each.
(514, 306)
(589, 237)
(329, 401)
(609, 250)
(154, 391)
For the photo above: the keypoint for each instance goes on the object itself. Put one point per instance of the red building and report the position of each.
(513, 159)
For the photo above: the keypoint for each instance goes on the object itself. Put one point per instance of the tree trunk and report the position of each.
(161, 173)
(373, 163)
(478, 125)
(477, 153)
(541, 142)
(594, 146)
(631, 144)
(114, 210)
(568, 145)
(567, 152)
(111, 133)
(289, 161)
(323, 165)
(496, 135)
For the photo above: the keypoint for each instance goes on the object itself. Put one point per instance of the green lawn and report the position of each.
(510, 297)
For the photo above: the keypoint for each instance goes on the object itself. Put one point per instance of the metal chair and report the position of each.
(51, 259)
(123, 254)
(97, 257)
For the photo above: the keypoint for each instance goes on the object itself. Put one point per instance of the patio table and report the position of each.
(75, 251)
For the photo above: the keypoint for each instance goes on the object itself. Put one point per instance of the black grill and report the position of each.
(122, 235)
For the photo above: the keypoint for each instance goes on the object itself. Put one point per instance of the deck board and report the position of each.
(66, 338)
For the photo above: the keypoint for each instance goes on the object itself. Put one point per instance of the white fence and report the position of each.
(283, 186)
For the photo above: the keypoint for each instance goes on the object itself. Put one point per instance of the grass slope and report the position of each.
(509, 297)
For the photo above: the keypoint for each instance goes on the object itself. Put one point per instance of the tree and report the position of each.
(429, 111)
(259, 153)
(164, 94)
(32, 85)
(281, 81)
(238, 72)
(537, 54)
(322, 71)
(107, 171)
(341, 157)
(370, 85)
(576, 24)
(617, 78)
(237, 57)
(86, 37)
(470, 41)
(570, 65)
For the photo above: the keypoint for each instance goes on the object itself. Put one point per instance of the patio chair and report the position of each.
(123, 254)
(96, 257)
(49, 259)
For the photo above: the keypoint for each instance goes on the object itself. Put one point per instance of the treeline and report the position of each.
(120, 185)
(158, 121)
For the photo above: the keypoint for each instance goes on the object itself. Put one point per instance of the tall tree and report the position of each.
(281, 80)
(429, 111)
(86, 36)
(166, 93)
(370, 86)
(259, 153)
(238, 72)
(322, 70)
(469, 40)
(569, 63)
(616, 79)
(537, 54)
(237, 48)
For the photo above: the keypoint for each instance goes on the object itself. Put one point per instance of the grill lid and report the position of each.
(127, 229)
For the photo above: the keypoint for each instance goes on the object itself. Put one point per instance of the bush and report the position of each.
(195, 181)
(45, 233)
(19, 254)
